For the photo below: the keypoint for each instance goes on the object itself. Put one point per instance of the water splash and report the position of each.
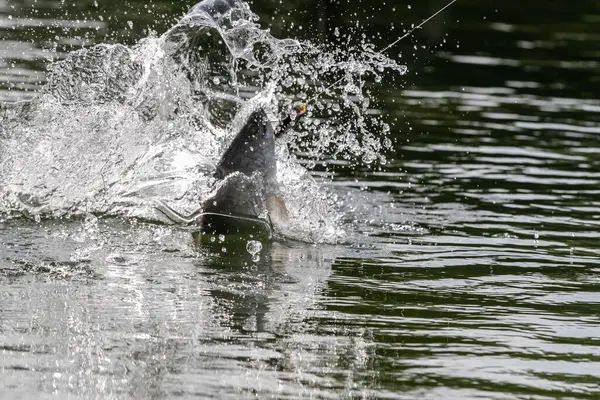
(117, 128)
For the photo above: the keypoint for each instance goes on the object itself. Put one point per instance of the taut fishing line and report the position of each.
(390, 45)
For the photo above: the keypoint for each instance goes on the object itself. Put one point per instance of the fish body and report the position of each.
(244, 202)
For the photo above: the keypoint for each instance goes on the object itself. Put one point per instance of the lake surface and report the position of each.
(470, 260)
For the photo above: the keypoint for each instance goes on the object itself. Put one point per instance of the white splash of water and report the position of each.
(117, 128)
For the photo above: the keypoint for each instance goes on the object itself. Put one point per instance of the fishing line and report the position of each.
(418, 26)
(387, 47)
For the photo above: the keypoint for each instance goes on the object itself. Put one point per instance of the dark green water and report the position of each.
(472, 271)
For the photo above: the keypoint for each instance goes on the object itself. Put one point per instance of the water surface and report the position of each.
(469, 268)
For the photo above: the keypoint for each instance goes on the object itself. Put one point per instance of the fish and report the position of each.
(245, 201)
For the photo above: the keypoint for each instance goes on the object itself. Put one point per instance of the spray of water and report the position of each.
(117, 128)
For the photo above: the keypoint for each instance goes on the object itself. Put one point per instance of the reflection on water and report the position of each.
(471, 270)
(143, 317)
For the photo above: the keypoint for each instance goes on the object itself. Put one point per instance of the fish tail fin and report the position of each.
(175, 216)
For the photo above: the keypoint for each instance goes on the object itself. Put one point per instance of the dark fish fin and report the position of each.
(240, 152)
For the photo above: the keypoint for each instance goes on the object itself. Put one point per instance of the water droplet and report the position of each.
(254, 247)
(369, 157)
(221, 238)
